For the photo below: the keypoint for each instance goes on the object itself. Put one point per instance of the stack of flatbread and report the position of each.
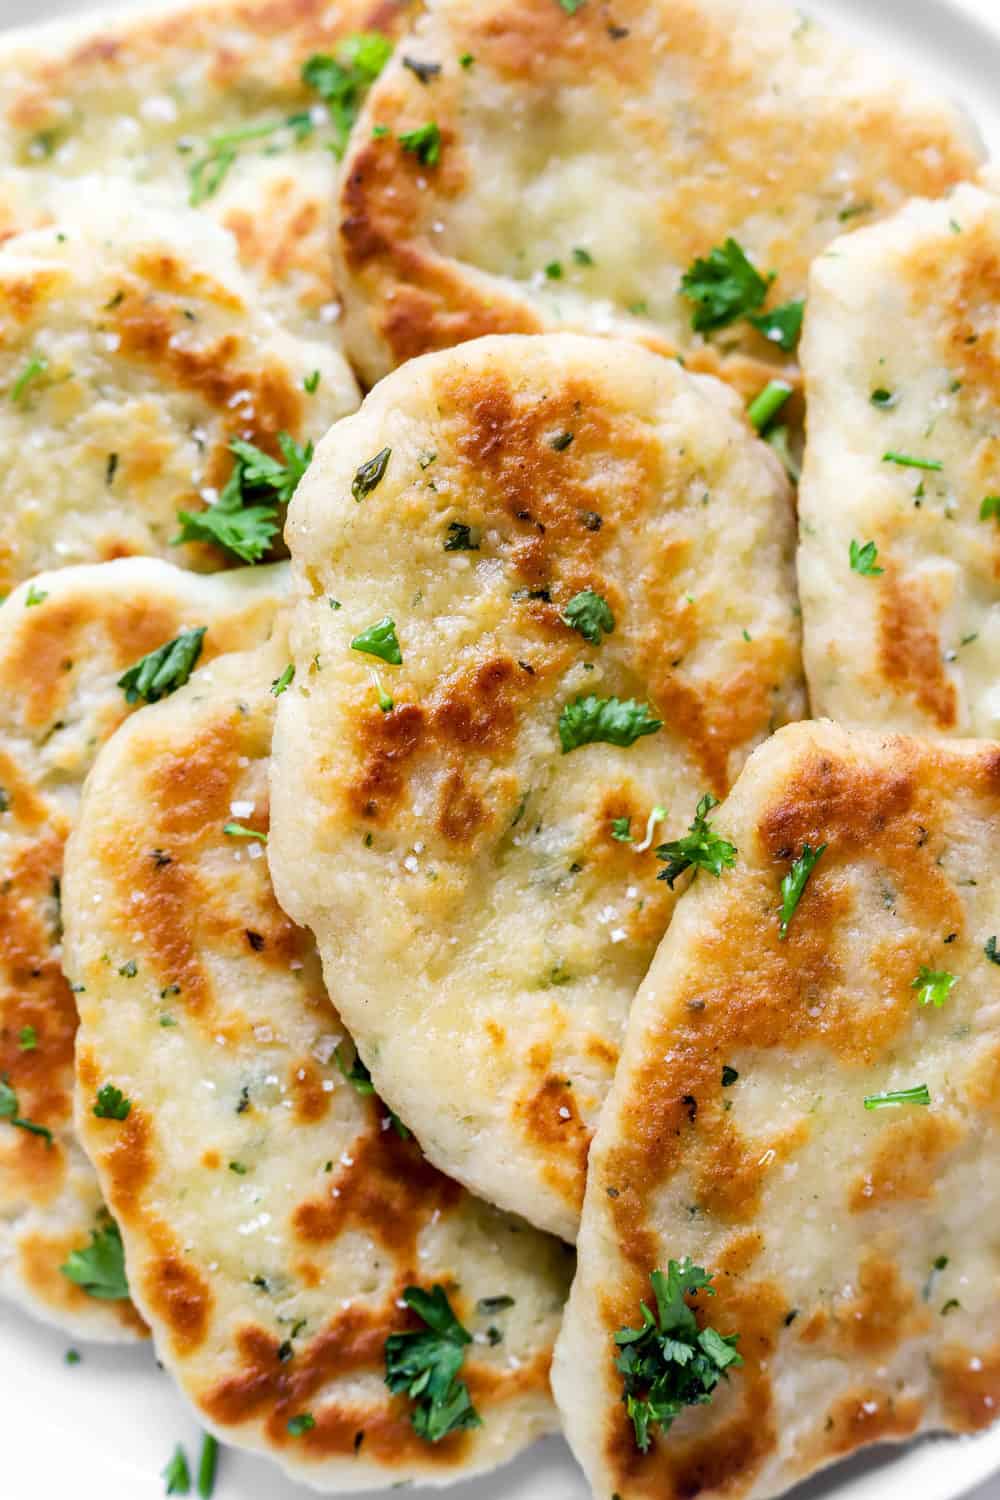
(443, 828)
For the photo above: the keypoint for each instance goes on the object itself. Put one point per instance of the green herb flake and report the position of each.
(781, 325)
(424, 1365)
(590, 614)
(612, 721)
(27, 1039)
(111, 1103)
(424, 142)
(208, 173)
(561, 442)
(34, 596)
(280, 684)
(794, 883)
(304, 1422)
(766, 405)
(723, 286)
(554, 270)
(494, 1304)
(729, 1076)
(245, 518)
(380, 640)
(72, 1357)
(343, 79)
(991, 950)
(240, 831)
(571, 6)
(669, 1363)
(918, 1095)
(310, 383)
(582, 256)
(466, 60)
(989, 507)
(100, 1268)
(208, 1463)
(33, 370)
(862, 558)
(161, 672)
(177, 1475)
(459, 538)
(934, 985)
(883, 398)
(907, 461)
(701, 847)
(621, 830)
(370, 474)
(10, 1111)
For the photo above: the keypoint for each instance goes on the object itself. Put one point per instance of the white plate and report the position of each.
(104, 1429)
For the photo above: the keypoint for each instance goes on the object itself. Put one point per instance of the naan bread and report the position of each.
(482, 928)
(65, 639)
(586, 160)
(902, 357)
(854, 1251)
(131, 354)
(272, 1215)
(149, 97)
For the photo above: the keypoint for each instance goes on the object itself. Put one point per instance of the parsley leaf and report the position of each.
(571, 6)
(240, 831)
(27, 1039)
(425, 1365)
(360, 1080)
(611, 721)
(380, 640)
(591, 615)
(935, 985)
(724, 286)
(279, 685)
(424, 142)
(33, 370)
(863, 559)
(244, 519)
(9, 1110)
(34, 596)
(917, 1095)
(111, 1103)
(100, 1269)
(163, 671)
(304, 1422)
(670, 1363)
(701, 846)
(370, 474)
(621, 830)
(262, 472)
(459, 538)
(246, 531)
(989, 507)
(794, 883)
(177, 1474)
(782, 325)
(343, 80)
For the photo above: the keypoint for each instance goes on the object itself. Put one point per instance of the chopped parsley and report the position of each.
(163, 671)
(591, 615)
(494, 1304)
(766, 405)
(244, 519)
(917, 1095)
(425, 1365)
(883, 398)
(612, 721)
(279, 685)
(907, 461)
(862, 558)
(380, 640)
(554, 270)
(304, 1422)
(670, 1363)
(723, 286)
(100, 1268)
(424, 142)
(459, 538)
(33, 370)
(240, 831)
(794, 883)
(466, 60)
(360, 1080)
(989, 507)
(729, 1076)
(561, 442)
(111, 1103)
(935, 985)
(991, 950)
(781, 325)
(73, 1356)
(9, 1110)
(34, 596)
(27, 1039)
(177, 1474)
(343, 80)
(621, 830)
(370, 474)
(571, 6)
(700, 847)
(310, 382)
(582, 257)
(208, 1462)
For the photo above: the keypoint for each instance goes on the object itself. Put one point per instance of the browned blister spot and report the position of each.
(910, 653)
(386, 744)
(859, 1417)
(305, 1085)
(180, 1298)
(969, 1382)
(881, 1314)
(906, 1162)
(550, 1121)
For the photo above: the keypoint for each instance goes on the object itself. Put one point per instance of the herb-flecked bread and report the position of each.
(274, 1213)
(900, 498)
(66, 638)
(811, 1120)
(522, 165)
(544, 604)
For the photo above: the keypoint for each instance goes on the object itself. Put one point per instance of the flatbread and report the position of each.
(147, 96)
(65, 639)
(902, 356)
(272, 1216)
(587, 159)
(131, 355)
(481, 927)
(853, 1250)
